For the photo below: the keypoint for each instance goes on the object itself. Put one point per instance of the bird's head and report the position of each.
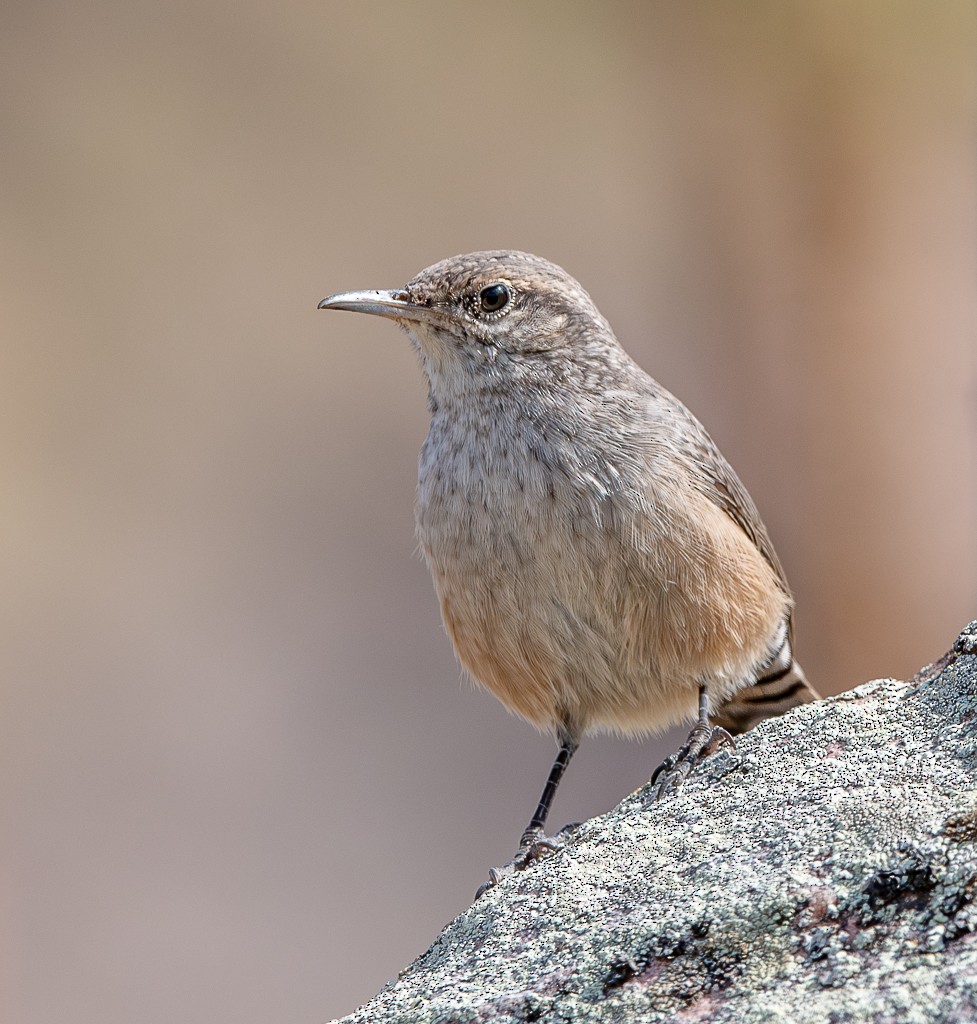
(487, 309)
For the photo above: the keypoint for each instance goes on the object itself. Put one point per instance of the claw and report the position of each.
(495, 876)
(675, 769)
(718, 738)
(534, 846)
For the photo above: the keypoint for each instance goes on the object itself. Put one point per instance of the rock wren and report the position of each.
(598, 562)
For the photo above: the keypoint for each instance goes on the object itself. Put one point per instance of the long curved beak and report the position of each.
(392, 304)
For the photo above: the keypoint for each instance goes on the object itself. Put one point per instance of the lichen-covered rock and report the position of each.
(823, 871)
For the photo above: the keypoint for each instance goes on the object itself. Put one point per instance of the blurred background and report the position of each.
(241, 777)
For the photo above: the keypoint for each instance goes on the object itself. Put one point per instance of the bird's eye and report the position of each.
(493, 297)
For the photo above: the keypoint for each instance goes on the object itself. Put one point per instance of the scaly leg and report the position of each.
(533, 843)
(703, 740)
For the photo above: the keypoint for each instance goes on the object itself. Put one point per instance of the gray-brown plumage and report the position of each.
(598, 562)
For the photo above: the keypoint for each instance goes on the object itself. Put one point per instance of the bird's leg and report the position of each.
(533, 843)
(703, 740)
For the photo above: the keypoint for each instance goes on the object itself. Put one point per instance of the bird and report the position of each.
(598, 563)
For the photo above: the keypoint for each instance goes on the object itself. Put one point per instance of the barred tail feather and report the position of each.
(781, 686)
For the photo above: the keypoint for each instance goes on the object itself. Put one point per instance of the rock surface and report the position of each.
(823, 871)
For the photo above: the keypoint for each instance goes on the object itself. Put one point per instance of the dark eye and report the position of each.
(493, 298)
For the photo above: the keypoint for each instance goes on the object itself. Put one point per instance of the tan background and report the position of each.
(240, 779)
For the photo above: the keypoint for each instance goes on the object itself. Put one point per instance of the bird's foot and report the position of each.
(532, 847)
(703, 741)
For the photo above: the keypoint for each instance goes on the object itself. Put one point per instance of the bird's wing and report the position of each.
(716, 479)
(676, 430)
